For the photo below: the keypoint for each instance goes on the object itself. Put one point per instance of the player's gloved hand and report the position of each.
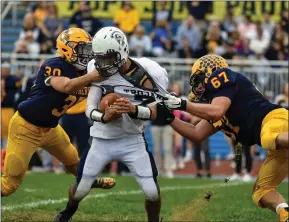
(164, 114)
(175, 103)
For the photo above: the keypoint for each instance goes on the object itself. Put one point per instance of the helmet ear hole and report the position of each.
(64, 50)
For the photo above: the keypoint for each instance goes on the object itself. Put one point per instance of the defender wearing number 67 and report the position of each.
(233, 105)
(60, 84)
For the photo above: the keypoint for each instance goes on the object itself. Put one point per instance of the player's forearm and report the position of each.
(204, 111)
(186, 130)
(78, 83)
(93, 100)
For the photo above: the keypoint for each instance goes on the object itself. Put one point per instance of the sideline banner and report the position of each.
(107, 9)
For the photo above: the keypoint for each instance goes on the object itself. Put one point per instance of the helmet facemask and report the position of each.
(81, 54)
(108, 64)
(197, 81)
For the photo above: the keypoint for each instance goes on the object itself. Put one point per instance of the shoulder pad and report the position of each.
(138, 77)
(221, 78)
(57, 67)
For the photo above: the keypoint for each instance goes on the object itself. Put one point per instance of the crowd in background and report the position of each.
(232, 38)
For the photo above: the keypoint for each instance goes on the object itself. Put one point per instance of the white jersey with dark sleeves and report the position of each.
(126, 126)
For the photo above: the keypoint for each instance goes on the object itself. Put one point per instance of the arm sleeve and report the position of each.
(93, 99)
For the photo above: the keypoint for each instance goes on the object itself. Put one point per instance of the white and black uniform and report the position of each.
(122, 139)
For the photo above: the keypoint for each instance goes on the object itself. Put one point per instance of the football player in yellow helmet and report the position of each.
(201, 71)
(74, 45)
(60, 84)
(235, 106)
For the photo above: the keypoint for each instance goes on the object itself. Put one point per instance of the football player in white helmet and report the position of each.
(140, 82)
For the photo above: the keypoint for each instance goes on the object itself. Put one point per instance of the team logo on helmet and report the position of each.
(118, 37)
(65, 36)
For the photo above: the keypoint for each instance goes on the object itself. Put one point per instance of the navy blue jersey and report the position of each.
(12, 84)
(45, 105)
(243, 119)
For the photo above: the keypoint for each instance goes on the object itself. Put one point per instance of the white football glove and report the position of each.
(175, 103)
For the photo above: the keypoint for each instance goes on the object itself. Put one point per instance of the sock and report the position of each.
(281, 206)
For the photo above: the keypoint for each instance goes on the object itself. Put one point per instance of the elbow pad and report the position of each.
(143, 113)
(97, 116)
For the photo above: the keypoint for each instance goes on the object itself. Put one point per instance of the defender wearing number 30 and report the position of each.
(60, 84)
(236, 107)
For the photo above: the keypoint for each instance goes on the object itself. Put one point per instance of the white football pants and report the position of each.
(131, 151)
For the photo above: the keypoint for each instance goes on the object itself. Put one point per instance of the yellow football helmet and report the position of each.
(201, 71)
(74, 44)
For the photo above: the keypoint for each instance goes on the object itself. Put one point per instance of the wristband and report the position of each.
(97, 116)
(183, 105)
(143, 113)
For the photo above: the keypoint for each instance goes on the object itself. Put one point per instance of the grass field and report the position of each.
(41, 196)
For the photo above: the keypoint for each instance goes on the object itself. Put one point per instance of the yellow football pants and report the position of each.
(275, 168)
(23, 140)
(6, 115)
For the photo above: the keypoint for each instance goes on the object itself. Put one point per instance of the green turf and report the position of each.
(183, 199)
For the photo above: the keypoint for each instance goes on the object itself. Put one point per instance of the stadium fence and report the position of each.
(268, 76)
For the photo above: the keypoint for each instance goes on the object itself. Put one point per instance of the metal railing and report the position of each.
(13, 6)
(268, 76)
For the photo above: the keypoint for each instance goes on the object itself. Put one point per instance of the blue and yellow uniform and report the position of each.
(251, 119)
(11, 84)
(35, 124)
(243, 119)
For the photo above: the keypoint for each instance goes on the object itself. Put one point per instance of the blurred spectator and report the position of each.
(229, 52)
(268, 25)
(29, 37)
(84, 19)
(3, 92)
(285, 20)
(127, 18)
(213, 39)
(230, 21)
(161, 13)
(244, 51)
(161, 42)
(261, 70)
(162, 135)
(179, 162)
(75, 116)
(29, 24)
(200, 148)
(237, 41)
(50, 29)
(41, 11)
(21, 47)
(246, 26)
(188, 39)
(248, 152)
(282, 99)
(12, 84)
(199, 10)
(259, 38)
(279, 45)
(33, 47)
(140, 43)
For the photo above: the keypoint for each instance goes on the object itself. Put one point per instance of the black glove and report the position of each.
(164, 114)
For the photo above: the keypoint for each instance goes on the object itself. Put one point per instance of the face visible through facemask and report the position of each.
(108, 64)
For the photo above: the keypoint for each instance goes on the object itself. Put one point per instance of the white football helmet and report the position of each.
(110, 50)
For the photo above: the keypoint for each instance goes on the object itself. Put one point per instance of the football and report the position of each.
(111, 98)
